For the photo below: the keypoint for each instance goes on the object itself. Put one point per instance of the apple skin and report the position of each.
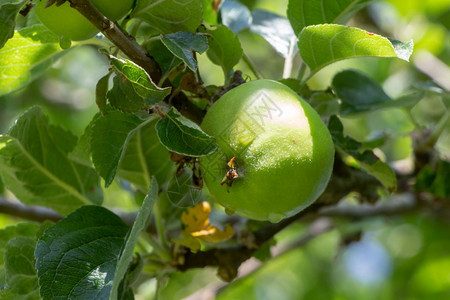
(283, 151)
(67, 22)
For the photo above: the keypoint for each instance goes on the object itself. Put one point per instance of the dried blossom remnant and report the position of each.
(198, 228)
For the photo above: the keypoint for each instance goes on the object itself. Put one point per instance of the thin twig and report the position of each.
(118, 37)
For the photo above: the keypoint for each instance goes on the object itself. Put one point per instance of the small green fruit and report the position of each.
(69, 23)
(283, 152)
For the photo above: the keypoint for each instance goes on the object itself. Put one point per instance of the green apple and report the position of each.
(275, 155)
(67, 22)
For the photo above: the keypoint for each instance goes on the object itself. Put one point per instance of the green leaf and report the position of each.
(321, 45)
(224, 48)
(168, 16)
(183, 44)
(407, 100)
(276, 30)
(181, 135)
(435, 180)
(325, 103)
(123, 96)
(101, 90)
(26, 56)
(108, 141)
(8, 13)
(358, 92)
(145, 157)
(380, 171)
(209, 15)
(365, 160)
(22, 282)
(82, 151)
(165, 59)
(77, 257)
(179, 194)
(302, 13)
(133, 87)
(28, 229)
(235, 15)
(35, 166)
(140, 223)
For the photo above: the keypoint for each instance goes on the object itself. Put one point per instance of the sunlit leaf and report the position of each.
(321, 45)
(26, 56)
(35, 166)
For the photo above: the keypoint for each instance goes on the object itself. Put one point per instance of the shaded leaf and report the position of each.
(26, 56)
(435, 180)
(77, 257)
(101, 90)
(145, 157)
(302, 13)
(321, 45)
(235, 15)
(168, 16)
(363, 159)
(358, 92)
(108, 141)
(22, 281)
(8, 13)
(123, 96)
(35, 166)
(224, 48)
(407, 100)
(181, 135)
(183, 44)
(165, 59)
(140, 223)
(82, 151)
(28, 229)
(181, 193)
(276, 30)
(325, 103)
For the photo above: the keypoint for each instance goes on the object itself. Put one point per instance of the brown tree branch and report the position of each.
(118, 37)
(32, 213)
(128, 45)
(41, 214)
